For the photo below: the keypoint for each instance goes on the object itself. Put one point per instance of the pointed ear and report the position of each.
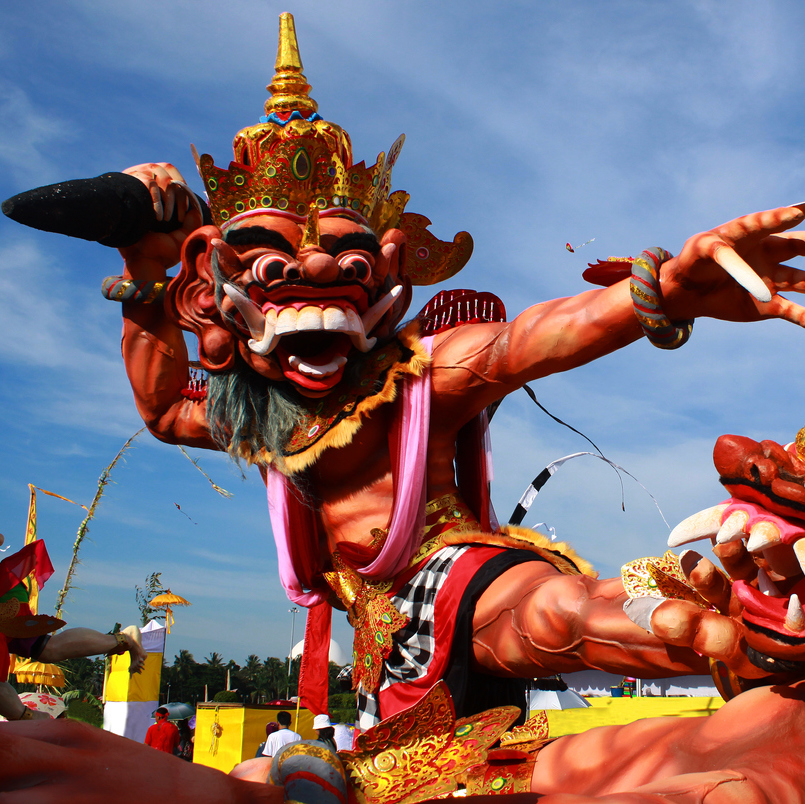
(393, 268)
(190, 301)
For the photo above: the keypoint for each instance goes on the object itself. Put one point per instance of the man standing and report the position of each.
(282, 736)
(163, 735)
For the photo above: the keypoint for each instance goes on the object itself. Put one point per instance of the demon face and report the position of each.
(296, 298)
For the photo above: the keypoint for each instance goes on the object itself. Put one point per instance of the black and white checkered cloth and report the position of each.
(413, 645)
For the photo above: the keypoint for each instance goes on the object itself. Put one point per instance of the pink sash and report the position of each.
(294, 522)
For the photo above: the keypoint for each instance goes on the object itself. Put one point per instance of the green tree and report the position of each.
(250, 676)
(213, 673)
(84, 675)
(184, 667)
(276, 678)
(153, 587)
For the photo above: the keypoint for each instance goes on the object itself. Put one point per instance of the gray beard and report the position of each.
(244, 408)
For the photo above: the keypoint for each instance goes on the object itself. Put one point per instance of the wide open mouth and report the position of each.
(314, 360)
(313, 311)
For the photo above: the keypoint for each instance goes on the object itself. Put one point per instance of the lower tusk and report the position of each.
(765, 584)
(742, 273)
(377, 311)
(251, 313)
(268, 342)
(794, 617)
(357, 334)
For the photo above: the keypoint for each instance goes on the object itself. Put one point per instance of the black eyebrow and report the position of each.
(259, 236)
(361, 241)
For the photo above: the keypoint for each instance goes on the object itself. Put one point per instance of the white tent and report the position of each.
(556, 699)
(337, 655)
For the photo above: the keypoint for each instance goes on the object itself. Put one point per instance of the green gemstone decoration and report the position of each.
(300, 164)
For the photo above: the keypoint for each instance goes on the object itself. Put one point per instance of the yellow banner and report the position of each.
(120, 686)
(30, 536)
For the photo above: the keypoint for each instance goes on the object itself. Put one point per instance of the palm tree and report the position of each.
(184, 666)
(276, 678)
(250, 675)
(213, 672)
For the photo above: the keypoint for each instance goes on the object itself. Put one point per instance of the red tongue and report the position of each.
(765, 610)
(340, 345)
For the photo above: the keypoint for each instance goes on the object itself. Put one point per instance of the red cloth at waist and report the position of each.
(402, 695)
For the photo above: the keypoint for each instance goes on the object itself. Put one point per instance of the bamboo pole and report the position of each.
(84, 526)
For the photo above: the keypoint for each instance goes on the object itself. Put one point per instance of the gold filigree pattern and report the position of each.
(373, 618)
(419, 753)
(531, 735)
(659, 577)
(505, 773)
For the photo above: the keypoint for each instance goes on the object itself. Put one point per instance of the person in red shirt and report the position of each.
(163, 735)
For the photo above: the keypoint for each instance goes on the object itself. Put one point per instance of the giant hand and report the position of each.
(751, 250)
(173, 200)
(759, 536)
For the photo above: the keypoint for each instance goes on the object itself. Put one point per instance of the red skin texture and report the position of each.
(531, 621)
(65, 761)
(472, 366)
(752, 751)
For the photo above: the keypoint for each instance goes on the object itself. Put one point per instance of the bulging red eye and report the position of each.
(269, 268)
(355, 266)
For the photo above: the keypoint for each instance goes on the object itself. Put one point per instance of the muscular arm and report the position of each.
(475, 365)
(156, 362)
(534, 621)
(153, 347)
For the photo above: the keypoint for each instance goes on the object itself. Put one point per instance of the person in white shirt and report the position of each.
(282, 736)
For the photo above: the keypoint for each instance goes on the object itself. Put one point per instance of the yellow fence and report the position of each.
(617, 711)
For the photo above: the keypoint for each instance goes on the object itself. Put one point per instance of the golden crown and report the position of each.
(293, 160)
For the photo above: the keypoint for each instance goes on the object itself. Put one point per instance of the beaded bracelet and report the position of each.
(645, 289)
(115, 288)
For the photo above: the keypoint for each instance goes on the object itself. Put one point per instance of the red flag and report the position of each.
(314, 672)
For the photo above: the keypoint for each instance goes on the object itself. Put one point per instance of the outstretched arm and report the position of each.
(532, 621)
(153, 347)
(475, 365)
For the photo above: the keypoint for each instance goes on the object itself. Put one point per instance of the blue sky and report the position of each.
(528, 124)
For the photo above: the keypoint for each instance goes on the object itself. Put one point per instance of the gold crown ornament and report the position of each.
(293, 162)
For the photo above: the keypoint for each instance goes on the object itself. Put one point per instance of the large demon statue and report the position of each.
(370, 436)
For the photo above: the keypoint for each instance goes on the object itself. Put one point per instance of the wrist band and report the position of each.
(26, 713)
(645, 289)
(121, 647)
(115, 288)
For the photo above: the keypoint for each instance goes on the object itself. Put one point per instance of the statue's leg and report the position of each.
(749, 751)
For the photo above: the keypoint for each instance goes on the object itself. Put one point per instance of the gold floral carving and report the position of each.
(373, 618)
(531, 735)
(659, 577)
(420, 753)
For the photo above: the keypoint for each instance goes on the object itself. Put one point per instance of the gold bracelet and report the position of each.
(121, 647)
(27, 714)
